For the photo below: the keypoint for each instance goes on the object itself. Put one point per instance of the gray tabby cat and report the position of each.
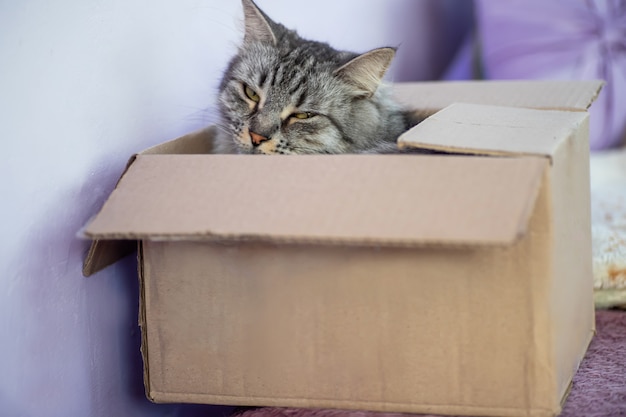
(282, 94)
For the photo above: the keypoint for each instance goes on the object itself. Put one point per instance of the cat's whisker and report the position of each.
(303, 96)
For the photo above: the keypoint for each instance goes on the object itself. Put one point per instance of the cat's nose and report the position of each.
(257, 139)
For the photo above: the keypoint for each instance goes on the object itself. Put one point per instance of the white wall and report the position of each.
(83, 84)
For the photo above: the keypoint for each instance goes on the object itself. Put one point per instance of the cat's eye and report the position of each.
(251, 94)
(302, 115)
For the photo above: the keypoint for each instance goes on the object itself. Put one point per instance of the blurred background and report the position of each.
(86, 83)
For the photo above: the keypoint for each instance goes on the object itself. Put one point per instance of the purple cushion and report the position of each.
(561, 39)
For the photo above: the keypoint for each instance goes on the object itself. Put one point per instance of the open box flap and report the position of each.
(427, 98)
(492, 130)
(103, 253)
(430, 97)
(343, 199)
(200, 142)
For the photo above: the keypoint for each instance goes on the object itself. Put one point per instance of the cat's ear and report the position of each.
(366, 71)
(258, 25)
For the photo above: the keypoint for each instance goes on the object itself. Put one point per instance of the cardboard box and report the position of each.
(457, 283)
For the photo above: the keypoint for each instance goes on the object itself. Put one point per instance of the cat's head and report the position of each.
(282, 94)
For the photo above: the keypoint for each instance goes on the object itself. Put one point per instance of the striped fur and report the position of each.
(282, 94)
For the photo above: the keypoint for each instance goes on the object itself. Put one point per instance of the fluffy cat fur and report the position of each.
(282, 94)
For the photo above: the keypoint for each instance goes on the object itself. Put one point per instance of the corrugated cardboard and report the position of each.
(450, 284)
(178, 197)
(548, 95)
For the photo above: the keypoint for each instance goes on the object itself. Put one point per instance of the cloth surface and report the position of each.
(608, 222)
(561, 39)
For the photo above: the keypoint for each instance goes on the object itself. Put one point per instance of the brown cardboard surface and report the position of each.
(425, 97)
(481, 129)
(572, 308)
(548, 95)
(334, 199)
(200, 142)
(105, 252)
(422, 284)
(388, 329)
